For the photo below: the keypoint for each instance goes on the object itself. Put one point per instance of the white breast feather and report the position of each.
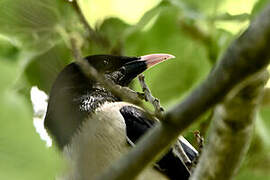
(99, 143)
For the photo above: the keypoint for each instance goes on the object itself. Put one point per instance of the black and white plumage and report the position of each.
(94, 128)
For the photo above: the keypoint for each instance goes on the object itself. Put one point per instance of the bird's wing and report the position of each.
(138, 123)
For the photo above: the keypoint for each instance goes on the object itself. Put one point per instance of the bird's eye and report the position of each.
(106, 62)
(122, 70)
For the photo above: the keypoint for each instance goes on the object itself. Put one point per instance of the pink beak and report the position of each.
(153, 59)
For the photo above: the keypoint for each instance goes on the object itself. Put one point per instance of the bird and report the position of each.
(93, 128)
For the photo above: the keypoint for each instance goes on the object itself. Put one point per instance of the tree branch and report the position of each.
(245, 56)
(231, 131)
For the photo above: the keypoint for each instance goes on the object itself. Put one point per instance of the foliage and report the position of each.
(34, 47)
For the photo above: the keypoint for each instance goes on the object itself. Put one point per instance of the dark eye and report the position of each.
(106, 62)
(122, 70)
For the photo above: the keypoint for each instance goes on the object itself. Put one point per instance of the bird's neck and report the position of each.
(89, 101)
(70, 107)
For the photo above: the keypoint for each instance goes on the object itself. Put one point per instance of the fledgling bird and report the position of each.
(94, 128)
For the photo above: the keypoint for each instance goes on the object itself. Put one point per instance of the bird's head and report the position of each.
(121, 69)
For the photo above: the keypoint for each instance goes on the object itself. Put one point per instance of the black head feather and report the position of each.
(74, 96)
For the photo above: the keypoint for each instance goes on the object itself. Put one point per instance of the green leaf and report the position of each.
(7, 50)
(196, 9)
(43, 69)
(147, 17)
(22, 154)
(31, 24)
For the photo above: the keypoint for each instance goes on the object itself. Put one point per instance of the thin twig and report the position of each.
(200, 145)
(199, 140)
(150, 98)
(229, 17)
(92, 33)
(246, 56)
(177, 147)
(196, 33)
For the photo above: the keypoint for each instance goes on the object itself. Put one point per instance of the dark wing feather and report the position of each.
(137, 123)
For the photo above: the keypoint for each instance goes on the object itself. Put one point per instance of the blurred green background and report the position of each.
(34, 46)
